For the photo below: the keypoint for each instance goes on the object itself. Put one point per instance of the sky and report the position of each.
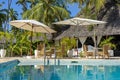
(72, 7)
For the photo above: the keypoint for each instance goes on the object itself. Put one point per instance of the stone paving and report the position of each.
(83, 61)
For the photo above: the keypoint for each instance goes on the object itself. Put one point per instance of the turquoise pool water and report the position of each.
(61, 72)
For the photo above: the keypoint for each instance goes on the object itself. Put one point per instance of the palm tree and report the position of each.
(67, 44)
(19, 43)
(10, 42)
(46, 11)
(33, 2)
(96, 4)
(23, 42)
(110, 4)
(37, 35)
(92, 8)
(108, 41)
(13, 14)
(3, 22)
(23, 3)
(2, 17)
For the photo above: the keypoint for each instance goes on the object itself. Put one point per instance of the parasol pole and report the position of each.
(44, 52)
(31, 41)
(95, 43)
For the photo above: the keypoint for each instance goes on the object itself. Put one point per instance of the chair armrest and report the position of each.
(100, 49)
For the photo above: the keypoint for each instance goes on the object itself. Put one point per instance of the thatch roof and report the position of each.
(110, 14)
(80, 31)
(42, 38)
(4, 40)
(39, 38)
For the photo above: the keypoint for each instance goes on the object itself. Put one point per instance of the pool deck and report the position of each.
(73, 61)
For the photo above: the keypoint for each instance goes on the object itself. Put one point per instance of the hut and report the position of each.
(109, 13)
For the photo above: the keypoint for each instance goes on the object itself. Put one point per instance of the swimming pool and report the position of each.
(61, 72)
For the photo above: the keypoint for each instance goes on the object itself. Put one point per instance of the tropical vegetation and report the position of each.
(108, 41)
(67, 44)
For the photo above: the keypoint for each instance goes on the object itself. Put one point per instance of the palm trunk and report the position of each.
(11, 53)
(21, 52)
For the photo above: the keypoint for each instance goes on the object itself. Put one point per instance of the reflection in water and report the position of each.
(40, 67)
(54, 76)
(71, 72)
